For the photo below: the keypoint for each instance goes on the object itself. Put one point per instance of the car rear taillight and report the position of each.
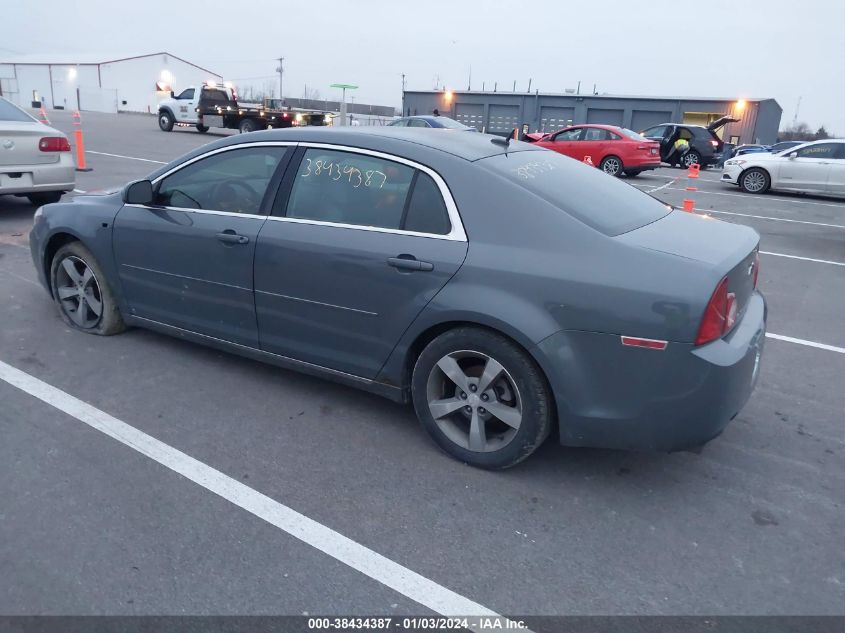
(54, 144)
(714, 143)
(719, 315)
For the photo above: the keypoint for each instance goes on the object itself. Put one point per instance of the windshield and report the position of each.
(603, 202)
(450, 123)
(10, 112)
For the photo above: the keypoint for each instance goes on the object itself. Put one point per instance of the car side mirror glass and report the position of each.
(138, 192)
(793, 155)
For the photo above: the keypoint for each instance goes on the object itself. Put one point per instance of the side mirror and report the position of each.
(138, 192)
(793, 155)
(172, 95)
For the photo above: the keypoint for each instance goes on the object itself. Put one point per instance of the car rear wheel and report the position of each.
(165, 121)
(47, 197)
(82, 292)
(202, 129)
(481, 398)
(247, 125)
(611, 165)
(755, 180)
(691, 158)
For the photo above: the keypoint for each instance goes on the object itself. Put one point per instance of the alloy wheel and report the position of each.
(474, 401)
(754, 181)
(611, 166)
(79, 292)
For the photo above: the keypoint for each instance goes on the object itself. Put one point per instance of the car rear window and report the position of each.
(9, 112)
(632, 134)
(605, 203)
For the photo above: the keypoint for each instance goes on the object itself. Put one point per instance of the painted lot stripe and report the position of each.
(78, 191)
(806, 259)
(393, 575)
(146, 160)
(801, 341)
(766, 217)
(769, 198)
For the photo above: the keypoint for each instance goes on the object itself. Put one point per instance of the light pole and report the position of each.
(281, 70)
(344, 87)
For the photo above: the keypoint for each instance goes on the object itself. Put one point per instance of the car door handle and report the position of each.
(409, 262)
(230, 237)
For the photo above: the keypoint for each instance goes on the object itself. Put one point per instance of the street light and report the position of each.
(344, 87)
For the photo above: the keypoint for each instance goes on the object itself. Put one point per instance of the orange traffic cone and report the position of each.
(79, 142)
(689, 205)
(42, 116)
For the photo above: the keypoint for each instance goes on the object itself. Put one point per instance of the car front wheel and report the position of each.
(48, 197)
(755, 180)
(165, 121)
(82, 293)
(481, 398)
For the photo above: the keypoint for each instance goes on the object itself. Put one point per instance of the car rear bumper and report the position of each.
(642, 164)
(60, 176)
(613, 396)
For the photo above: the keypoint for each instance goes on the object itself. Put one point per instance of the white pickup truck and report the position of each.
(213, 105)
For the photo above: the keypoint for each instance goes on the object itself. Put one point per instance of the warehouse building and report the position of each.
(111, 84)
(501, 112)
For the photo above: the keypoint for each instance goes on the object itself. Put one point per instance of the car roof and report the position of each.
(409, 142)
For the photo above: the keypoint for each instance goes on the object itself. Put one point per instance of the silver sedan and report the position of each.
(35, 159)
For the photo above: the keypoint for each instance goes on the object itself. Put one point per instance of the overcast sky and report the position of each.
(739, 48)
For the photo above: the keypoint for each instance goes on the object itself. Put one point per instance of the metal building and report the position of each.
(100, 84)
(501, 112)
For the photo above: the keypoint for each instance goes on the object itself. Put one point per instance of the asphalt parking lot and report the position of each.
(753, 524)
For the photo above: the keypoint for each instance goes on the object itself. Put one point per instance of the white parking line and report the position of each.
(78, 191)
(801, 341)
(146, 160)
(766, 217)
(391, 574)
(806, 259)
(769, 198)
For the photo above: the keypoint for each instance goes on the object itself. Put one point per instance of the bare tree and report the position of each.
(802, 132)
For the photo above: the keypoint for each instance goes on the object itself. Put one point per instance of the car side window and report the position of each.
(349, 188)
(569, 135)
(427, 211)
(822, 150)
(400, 123)
(595, 134)
(187, 94)
(418, 123)
(685, 134)
(234, 181)
(840, 151)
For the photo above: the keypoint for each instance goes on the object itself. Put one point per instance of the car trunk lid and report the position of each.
(730, 249)
(19, 144)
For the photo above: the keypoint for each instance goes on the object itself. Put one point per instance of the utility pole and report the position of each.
(403, 94)
(281, 70)
(795, 118)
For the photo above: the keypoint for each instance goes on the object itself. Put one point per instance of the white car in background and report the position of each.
(35, 159)
(815, 167)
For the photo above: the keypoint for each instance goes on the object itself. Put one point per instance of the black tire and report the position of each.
(632, 173)
(247, 126)
(202, 129)
(109, 321)
(612, 166)
(691, 158)
(755, 180)
(165, 120)
(521, 384)
(46, 197)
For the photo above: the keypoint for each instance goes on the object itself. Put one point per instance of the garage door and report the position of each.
(644, 119)
(470, 114)
(552, 119)
(605, 117)
(503, 119)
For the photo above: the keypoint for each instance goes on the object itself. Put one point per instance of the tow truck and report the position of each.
(215, 105)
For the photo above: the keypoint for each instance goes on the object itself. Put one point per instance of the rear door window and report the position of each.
(427, 211)
(10, 112)
(822, 150)
(349, 188)
(606, 204)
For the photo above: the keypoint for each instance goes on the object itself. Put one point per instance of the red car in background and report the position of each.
(613, 149)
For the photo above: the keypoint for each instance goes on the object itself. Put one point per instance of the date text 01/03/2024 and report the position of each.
(425, 623)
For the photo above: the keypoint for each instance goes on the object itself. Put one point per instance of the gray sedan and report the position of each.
(35, 159)
(507, 291)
